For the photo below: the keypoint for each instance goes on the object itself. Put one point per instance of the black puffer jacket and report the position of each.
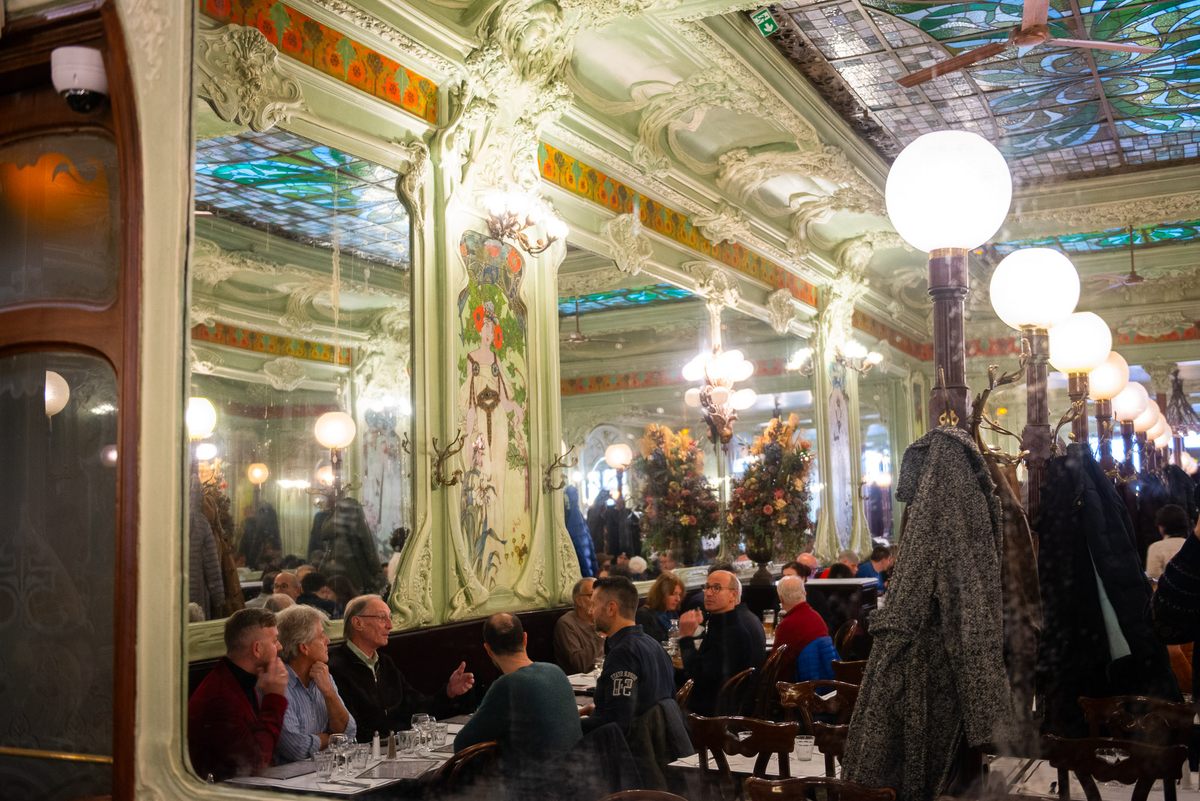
(1086, 537)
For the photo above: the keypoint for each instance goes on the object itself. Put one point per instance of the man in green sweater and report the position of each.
(530, 710)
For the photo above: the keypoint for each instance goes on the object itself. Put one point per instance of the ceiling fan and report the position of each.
(1032, 32)
(1132, 279)
(577, 337)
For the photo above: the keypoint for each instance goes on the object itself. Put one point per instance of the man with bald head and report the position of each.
(286, 583)
(809, 561)
(733, 640)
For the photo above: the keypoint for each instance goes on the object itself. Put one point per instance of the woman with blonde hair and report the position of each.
(662, 606)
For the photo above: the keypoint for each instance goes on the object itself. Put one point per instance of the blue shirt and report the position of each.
(867, 570)
(305, 719)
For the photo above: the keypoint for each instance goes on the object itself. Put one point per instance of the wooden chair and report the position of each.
(734, 696)
(718, 736)
(1108, 759)
(845, 635)
(643, 795)
(462, 768)
(805, 789)
(830, 733)
(1137, 717)
(766, 698)
(849, 672)
(683, 694)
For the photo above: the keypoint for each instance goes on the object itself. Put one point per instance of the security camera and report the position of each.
(78, 75)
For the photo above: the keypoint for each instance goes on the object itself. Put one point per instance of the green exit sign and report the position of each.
(765, 21)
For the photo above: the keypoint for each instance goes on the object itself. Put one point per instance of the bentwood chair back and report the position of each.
(826, 718)
(766, 698)
(683, 694)
(743, 736)
(462, 768)
(1108, 759)
(1137, 717)
(849, 672)
(734, 697)
(805, 788)
(643, 795)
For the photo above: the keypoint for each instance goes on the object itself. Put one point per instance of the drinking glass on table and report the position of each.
(769, 623)
(420, 724)
(598, 666)
(337, 747)
(804, 747)
(324, 762)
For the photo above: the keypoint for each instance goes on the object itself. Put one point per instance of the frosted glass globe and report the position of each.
(694, 369)
(58, 392)
(948, 189)
(335, 430)
(1107, 380)
(618, 456)
(206, 452)
(1144, 421)
(1159, 428)
(200, 418)
(1079, 343)
(692, 397)
(743, 399)
(1034, 287)
(257, 473)
(1163, 440)
(1130, 402)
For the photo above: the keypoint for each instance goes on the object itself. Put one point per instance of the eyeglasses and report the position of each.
(378, 617)
(714, 587)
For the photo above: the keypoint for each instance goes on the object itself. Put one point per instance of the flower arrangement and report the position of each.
(678, 506)
(768, 509)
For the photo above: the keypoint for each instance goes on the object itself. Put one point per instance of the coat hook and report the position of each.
(440, 457)
(559, 462)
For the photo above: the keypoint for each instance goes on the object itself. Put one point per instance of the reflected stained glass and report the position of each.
(655, 294)
(1110, 239)
(289, 185)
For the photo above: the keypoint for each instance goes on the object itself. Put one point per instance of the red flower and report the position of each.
(393, 90)
(333, 59)
(357, 72)
(291, 40)
(410, 98)
(768, 509)
(497, 337)
(479, 318)
(268, 28)
(514, 261)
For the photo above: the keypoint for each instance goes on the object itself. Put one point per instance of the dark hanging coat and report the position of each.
(936, 671)
(1084, 532)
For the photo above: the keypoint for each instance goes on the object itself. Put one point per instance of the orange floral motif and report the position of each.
(479, 318)
(497, 338)
(514, 261)
(292, 42)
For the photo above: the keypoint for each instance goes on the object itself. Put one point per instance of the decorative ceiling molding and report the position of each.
(629, 249)
(233, 336)
(742, 173)
(410, 184)
(714, 284)
(388, 33)
(821, 210)
(836, 319)
(586, 282)
(854, 254)
(725, 223)
(1156, 325)
(781, 310)
(284, 374)
(211, 264)
(1099, 216)
(241, 77)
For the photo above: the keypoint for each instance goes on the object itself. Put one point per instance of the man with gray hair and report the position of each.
(375, 691)
(848, 558)
(733, 641)
(314, 710)
(577, 646)
(799, 626)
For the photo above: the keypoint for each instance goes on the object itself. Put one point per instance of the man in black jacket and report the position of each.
(374, 690)
(733, 640)
(1177, 602)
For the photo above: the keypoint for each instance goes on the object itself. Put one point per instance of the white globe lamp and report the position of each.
(1130, 402)
(335, 430)
(57, 393)
(1146, 420)
(1109, 378)
(1034, 288)
(618, 456)
(257, 474)
(1159, 428)
(1079, 343)
(200, 418)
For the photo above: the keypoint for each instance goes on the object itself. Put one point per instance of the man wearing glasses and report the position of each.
(733, 641)
(372, 687)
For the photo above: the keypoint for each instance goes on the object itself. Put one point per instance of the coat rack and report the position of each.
(441, 455)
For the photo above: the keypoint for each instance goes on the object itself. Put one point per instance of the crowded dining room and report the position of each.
(600, 400)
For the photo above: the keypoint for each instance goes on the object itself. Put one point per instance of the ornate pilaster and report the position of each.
(240, 75)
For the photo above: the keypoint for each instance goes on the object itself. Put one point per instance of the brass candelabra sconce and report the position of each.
(512, 215)
(559, 462)
(441, 454)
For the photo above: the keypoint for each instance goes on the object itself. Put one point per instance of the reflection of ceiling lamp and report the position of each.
(1079, 344)
(335, 431)
(855, 356)
(619, 456)
(716, 397)
(257, 473)
(206, 451)
(201, 418)
(58, 392)
(1163, 440)
(511, 215)
(108, 456)
(801, 361)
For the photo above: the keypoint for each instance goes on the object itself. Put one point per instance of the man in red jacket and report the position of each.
(799, 626)
(235, 715)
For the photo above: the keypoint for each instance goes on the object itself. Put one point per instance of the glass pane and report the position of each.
(302, 263)
(58, 220)
(56, 573)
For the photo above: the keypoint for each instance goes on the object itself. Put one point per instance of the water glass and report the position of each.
(804, 747)
(359, 754)
(407, 742)
(337, 747)
(442, 731)
(324, 760)
(598, 666)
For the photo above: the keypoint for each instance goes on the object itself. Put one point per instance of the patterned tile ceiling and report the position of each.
(1055, 112)
(295, 188)
(1111, 239)
(642, 296)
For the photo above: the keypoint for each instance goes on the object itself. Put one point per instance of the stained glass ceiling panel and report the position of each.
(292, 187)
(642, 296)
(1111, 239)
(1055, 112)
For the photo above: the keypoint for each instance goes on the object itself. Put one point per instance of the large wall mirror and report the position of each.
(623, 343)
(300, 407)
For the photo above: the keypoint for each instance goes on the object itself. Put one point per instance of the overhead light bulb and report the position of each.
(743, 399)
(692, 397)
(206, 451)
(618, 456)
(325, 475)
(57, 393)
(1107, 380)
(719, 395)
(108, 456)
(1149, 416)
(257, 473)
(200, 418)
(1130, 402)
(694, 369)
(1079, 343)
(335, 430)
(1034, 287)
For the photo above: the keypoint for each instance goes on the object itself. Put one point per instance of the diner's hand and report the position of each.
(690, 621)
(319, 673)
(584, 711)
(273, 679)
(460, 681)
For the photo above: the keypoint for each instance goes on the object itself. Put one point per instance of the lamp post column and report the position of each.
(1077, 391)
(1035, 438)
(949, 282)
(1104, 429)
(1127, 438)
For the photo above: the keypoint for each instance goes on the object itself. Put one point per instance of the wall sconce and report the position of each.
(801, 361)
(257, 474)
(335, 431)
(716, 397)
(619, 456)
(510, 216)
(855, 356)
(58, 392)
(200, 418)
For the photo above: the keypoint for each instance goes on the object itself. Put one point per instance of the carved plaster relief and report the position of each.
(586, 282)
(854, 254)
(725, 223)
(284, 373)
(1184, 206)
(742, 173)
(819, 211)
(836, 319)
(781, 308)
(714, 284)
(1156, 324)
(243, 79)
(410, 183)
(629, 248)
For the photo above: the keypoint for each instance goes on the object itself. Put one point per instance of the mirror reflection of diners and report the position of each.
(299, 407)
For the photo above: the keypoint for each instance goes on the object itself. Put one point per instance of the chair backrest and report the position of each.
(766, 699)
(708, 737)
(643, 795)
(465, 765)
(735, 694)
(1136, 717)
(849, 672)
(683, 694)
(744, 736)
(801, 790)
(803, 697)
(845, 635)
(1108, 759)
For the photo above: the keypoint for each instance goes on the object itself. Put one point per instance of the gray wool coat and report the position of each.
(936, 671)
